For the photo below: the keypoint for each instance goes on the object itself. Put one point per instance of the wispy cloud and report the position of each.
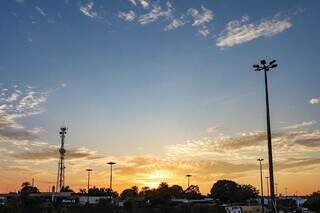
(315, 101)
(175, 23)
(200, 19)
(240, 31)
(127, 16)
(87, 9)
(17, 103)
(301, 125)
(155, 13)
(246, 146)
(133, 2)
(150, 170)
(41, 11)
(143, 3)
(214, 129)
(51, 153)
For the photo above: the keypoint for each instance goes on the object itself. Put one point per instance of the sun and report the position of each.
(160, 175)
(154, 178)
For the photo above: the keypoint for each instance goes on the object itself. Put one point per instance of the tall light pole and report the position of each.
(286, 191)
(111, 164)
(188, 177)
(89, 171)
(267, 67)
(268, 195)
(261, 183)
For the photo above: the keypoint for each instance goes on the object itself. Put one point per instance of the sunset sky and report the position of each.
(162, 88)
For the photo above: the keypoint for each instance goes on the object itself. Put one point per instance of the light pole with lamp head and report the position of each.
(111, 164)
(261, 183)
(263, 66)
(188, 177)
(89, 171)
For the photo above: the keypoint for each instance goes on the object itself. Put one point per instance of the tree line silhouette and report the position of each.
(150, 200)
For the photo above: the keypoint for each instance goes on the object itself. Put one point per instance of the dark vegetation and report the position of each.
(148, 200)
(313, 202)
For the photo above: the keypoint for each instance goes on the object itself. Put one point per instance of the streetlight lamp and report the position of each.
(111, 164)
(89, 171)
(188, 177)
(268, 67)
(261, 183)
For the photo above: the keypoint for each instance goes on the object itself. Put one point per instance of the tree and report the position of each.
(229, 191)
(129, 193)
(225, 191)
(144, 190)
(313, 201)
(286, 205)
(82, 191)
(248, 192)
(26, 188)
(193, 192)
(176, 191)
(111, 193)
(163, 186)
(94, 191)
(161, 195)
(66, 189)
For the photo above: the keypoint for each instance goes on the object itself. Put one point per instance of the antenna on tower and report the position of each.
(61, 165)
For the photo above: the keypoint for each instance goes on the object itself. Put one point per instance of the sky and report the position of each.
(162, 88)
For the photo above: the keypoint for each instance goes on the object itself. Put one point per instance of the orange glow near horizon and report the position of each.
(302, 183)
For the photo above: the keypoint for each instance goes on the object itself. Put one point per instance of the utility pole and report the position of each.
(263, 66)
(261, 184)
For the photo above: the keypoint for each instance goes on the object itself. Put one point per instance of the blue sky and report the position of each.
(143, 77)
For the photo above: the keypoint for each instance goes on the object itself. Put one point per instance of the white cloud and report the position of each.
(240, 31)
(18, 104)
(201, 19)
(214, 129)
(156, 13)
(87, 9)
(41, 11)
(127, 16)
(204, 31)
(63, 85)
(13, 97)
(246, 147)
(133, 2)
(144, 3)
(175, 23)
(301, 125)
(315, 101)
